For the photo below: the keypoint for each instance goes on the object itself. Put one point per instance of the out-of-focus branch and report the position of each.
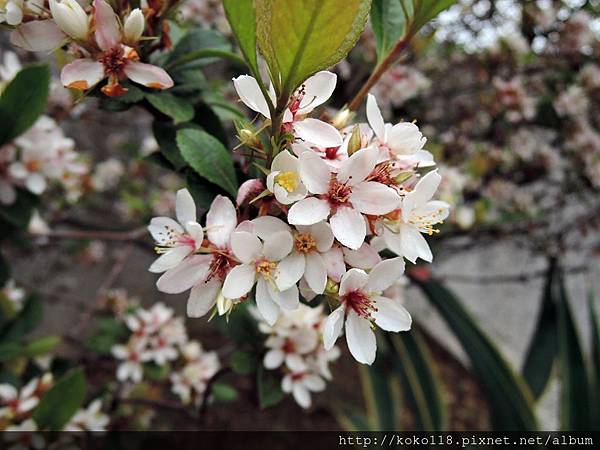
(99, 235)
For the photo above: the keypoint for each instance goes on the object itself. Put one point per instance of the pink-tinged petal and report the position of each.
(318, 132)
(245, 246)
(82, 74)
(185, 275)
(308, 211)
(278, 246)
(356, 168)
(322, 234)
(163, 228)
(334, 262)
(170, 259)
(289, 271)
(267, 226)
(349, 227)
(366, 257)
(333, 327)
(404, 138)
(202, 298)
(315, 272)
(265, 304)
(353, 280)
(317, 90)
(314, 172)
(185, 208)
(148, 75)
(375, 118)
(221, 220)
(374, 198)
(390, 315)
(384, 274)
(250, 94)
(38, 36)
(360, 338)
(248, 190)
(239, 281)
(108, 32)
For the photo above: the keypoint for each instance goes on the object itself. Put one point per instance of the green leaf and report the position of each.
(242, 19)
(510, 400)
(223, 392)
(23, 101)
(243, 363)
(29, 317)
(575, 409)
(175, 107)
(426, 10)
(208, 157)
(10, 350)
(269, 388)
(157, 372)
(61, 402)
(165, 135)
(380, 397)
(300, 37)
(543, 347)
(418, 373)
(41, 346)
(108, 332)
(19, 213)
(193, 42)
(389, 25)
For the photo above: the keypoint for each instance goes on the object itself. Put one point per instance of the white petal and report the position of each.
(278, 246)
(284, 162)
(366, 257)
(108, 33)
(266, 306)
(221, 220)
(194, 229)
(375, 119)
(322, 234)
(185, 275)
(315, 272)
(170, 259)
(289, 271)
(203, 297)
(245, 246)
(273, 359)
(333, 327)
(288, 299)
(36, 183)
(314, 382)
(356, 168)
(295, 363)
(360, 338)
(318, 132)
(266, 226)
(334, 262)
(374, 198)
(250, 94)
(82, 74)
(185, 208)
(163, 228)
(314, 172)
(348, 227)
(239, 281)
(38, 36)
(353, 280)
(391, 315)
(308, 211)
(422, 193)
(413, 245)
(301, 395)
(405, 138)
(384, 274)
(317, 90)
(148, 75)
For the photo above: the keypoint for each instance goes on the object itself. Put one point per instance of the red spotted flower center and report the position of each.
(360, 303)
(339, 193)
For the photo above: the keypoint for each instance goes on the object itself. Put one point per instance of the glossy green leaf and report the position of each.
(543, 347)
(510, 399)
(61, 402)
(208, 157)
(23, 101)
(242, 19)
(388, 23)
(575, 410)
(165, 135)
(269, 387)
(381, 398)
(300, 37)
(427, 10)
(421, 380)
(175, 107)
(193, 42)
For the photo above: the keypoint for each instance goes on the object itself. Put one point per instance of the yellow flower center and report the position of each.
(305, 243)
(287, 180)
(265, 268)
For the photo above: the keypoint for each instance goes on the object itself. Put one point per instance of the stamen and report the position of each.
(305, 243)
(265, 268)
(287, 180)
(360, 303)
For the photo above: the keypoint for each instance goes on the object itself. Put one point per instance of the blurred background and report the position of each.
(508, 95)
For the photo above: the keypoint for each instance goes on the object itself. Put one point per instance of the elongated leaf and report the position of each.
(23, 101)
(301, 37)
(28, 318)
(423, 391)
(242, 19)
(381, 398)
(544, 343)
(510, 398)
(61, 402)
(165, 135)
(426, 10)
(595, 363)
(175, 107)
(10, 350)
(388, 23)
(208, 157)
(352, 420)
(41, 346)
(575, 411)
(196, 40)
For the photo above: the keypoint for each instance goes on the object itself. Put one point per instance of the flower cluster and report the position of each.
(105, 46)
(334, 197)
(295, 346)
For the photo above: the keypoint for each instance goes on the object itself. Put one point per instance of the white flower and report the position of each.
(284, 179)
(11, 12)
(266, 258)
(25, 436)
(315, 91)
(89, 419)
(107, 174)
(290, 349)
(418, 215)
(404, 141)
(15, 295)
(134, 26)
(345, 196)
(360, 303)
(191, 381)
(14, 402)
(9, 67)
(203, 274)
(70, 17)
(300, 385)
(131, 367)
